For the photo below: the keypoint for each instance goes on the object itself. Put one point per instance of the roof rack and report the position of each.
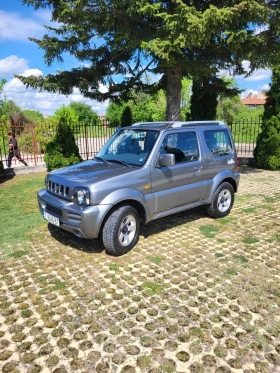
(200, 123)
(156, 124)
(178, 124)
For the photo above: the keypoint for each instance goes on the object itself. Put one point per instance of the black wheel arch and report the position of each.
(129, 202)
(230, 181)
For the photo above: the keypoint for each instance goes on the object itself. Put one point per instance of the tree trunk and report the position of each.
(173, 93)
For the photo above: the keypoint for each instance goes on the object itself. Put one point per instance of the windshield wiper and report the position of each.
(101, 159)
(118, 161)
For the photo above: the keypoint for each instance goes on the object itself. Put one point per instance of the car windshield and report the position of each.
(129, 146)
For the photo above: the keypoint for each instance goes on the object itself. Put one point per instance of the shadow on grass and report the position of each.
(95, 246)
(4, 178)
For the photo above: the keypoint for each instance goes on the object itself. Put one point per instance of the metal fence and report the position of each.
(32, 139)
(245, 133)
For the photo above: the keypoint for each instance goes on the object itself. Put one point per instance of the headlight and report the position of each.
(81, 196)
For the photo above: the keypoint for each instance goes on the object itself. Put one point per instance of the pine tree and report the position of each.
(174, 38)
(126, 117)
(267, 151)
(62, 150)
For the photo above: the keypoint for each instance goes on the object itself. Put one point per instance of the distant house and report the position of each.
(254, 100)
(102, 117)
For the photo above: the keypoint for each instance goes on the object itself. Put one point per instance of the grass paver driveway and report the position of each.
(195, 294)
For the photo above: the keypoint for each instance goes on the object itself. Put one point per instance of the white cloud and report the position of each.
(265, 87)
(45, 102)
(12, 65)
(258, 75)
(34, 72)
(14, 27)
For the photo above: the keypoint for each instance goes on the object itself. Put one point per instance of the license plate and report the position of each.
(51, 219)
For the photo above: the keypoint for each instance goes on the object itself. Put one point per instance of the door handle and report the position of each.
(197, 169)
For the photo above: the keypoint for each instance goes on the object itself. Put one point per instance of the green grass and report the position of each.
(227, 220)
(114, 267)
(270, 199)
(219, 255)
(18, 253)
(241, 258)
(231, 272)
(152, 288)
(275, 237)
(245, 132)
(94, 132)
(266, 207)
(250, 240)
(155, 259)
(248, 210)
(19, 211)
(208, 230)
(244, 197)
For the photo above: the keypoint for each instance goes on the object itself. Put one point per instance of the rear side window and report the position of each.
(183, 145)
(218, 141)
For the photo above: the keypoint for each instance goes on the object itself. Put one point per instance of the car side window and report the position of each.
(218, 141)
(183, 145)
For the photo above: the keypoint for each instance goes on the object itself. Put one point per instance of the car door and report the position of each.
(184, 182)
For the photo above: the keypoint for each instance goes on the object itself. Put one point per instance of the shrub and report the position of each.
(267, 151)
(126, 117)
(62, 150)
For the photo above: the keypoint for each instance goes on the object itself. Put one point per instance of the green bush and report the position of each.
(267, 151)
(126, 117)
(62, 150)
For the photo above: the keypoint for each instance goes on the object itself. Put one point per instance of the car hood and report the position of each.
(93, 170)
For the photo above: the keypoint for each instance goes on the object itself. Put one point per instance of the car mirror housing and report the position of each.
(166, 160)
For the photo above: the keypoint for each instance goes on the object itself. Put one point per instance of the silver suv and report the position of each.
(144, 172)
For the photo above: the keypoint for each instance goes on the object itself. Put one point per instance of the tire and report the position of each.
(121, 230)
(222, 201)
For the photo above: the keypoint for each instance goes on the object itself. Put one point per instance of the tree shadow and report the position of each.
(6, 177)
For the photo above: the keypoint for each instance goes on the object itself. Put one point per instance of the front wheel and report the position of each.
(222, 201)
(121, 230)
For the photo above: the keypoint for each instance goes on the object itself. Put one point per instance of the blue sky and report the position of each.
(18, 55)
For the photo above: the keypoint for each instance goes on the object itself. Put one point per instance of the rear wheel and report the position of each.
(222, 201)
(121, 230)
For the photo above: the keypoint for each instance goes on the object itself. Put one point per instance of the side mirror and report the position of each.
(166, 160)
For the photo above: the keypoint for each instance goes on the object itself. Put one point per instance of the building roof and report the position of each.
(253, 101)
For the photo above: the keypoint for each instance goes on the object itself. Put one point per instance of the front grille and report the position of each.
(59, 189)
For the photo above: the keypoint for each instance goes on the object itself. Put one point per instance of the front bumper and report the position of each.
(84, 222)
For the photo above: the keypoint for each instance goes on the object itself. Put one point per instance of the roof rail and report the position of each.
(156, 124)
(200, 123)
(178, 124)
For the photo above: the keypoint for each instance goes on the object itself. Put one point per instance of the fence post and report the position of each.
(33, 143)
